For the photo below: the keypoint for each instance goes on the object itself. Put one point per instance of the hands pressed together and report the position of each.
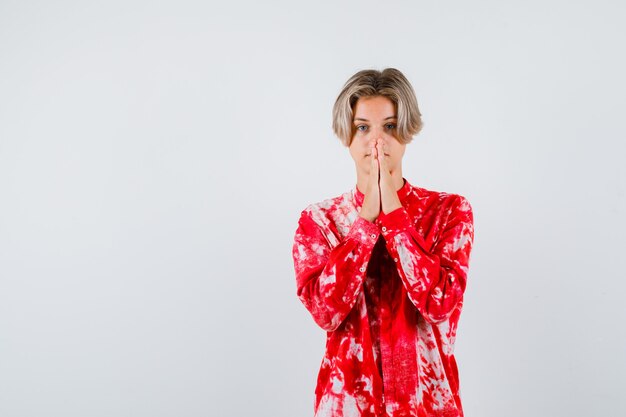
(380, 193)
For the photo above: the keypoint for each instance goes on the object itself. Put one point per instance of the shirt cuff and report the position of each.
(364, 231)
(394, 222)
(399, 221)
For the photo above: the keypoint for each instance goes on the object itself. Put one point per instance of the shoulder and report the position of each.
(440, 200)
(328, 210)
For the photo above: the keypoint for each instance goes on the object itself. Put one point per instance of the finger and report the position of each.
(373, 174)
(381, 156)
(374, 154)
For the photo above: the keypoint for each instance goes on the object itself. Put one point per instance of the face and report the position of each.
(375, 118)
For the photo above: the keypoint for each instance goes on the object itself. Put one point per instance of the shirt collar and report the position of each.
(403, 193)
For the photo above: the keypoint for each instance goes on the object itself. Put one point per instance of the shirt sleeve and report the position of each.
(329, 279)
(435, 279)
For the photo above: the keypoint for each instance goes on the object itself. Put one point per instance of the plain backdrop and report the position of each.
(155, 157)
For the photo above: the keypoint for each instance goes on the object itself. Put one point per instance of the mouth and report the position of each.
(368, 154)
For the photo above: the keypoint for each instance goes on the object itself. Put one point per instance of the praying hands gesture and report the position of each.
(380, 193)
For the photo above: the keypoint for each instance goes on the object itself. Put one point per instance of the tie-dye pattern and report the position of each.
(389, 294)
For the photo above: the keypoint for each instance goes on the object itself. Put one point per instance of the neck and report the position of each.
(362, 178)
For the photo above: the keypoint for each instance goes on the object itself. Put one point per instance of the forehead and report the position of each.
(372, 108)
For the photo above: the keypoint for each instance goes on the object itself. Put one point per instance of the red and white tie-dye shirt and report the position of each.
(389, 294)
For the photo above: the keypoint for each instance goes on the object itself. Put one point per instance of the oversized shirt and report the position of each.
(389, 294)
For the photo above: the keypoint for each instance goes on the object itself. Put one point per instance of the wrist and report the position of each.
(367, 217)
(391, 208)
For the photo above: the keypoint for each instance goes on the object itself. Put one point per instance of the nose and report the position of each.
(375, 140)
(378, 132)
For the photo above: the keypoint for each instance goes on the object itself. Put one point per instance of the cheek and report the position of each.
(354, 153)
(397, 154)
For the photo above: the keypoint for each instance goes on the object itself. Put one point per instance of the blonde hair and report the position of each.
(390, 83)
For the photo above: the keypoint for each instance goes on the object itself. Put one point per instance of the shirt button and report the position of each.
(395, 259)
(384, 229)
(362, 269)
(373, 236)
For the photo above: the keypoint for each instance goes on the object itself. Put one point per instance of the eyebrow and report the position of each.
(365, 120)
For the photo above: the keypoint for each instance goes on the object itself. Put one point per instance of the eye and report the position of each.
(391, 126)
(360, 126)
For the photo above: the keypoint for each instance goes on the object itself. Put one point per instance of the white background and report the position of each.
(155, 157)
